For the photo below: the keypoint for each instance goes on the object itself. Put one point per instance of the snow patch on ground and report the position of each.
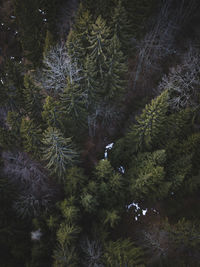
(121, 169)
(36, 235)
(108, 147)
(137, 209)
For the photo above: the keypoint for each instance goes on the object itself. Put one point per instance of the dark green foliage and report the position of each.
(69, 91)
(115, 84)
(66, 254)
(123, 253)
(74, 181)
(147, 176)
(49, 42)
(31, 135)
(33, 98)
(73, 102)
(77, 41)
(58, 151)
(99, 40)
(121, 26)
(13, 132)
(51, 113)
(150, 125)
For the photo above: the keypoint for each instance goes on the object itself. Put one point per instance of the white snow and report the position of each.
(135, 205)
(108, 147)
(36, 235)
(121, 169)
(144, 212)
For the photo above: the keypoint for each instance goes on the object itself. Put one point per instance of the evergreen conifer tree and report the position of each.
(123, 253)
(77, 41)
(58, 151)
(31, 135)
(73, 103)
(147, 176)
(33, 99)
(99, 39)
(52, 114)
(115, 84)
(150, 124)
(121, 26)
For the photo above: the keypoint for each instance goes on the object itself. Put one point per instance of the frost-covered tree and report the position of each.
(159, 41)
(58, 66)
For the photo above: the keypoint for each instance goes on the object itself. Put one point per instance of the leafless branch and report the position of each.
(58, 68)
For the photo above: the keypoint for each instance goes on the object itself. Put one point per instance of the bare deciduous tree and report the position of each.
(159, 41)
(92, 252)
(58, 68)
(104, 115)
(183, 81)
(34, 190)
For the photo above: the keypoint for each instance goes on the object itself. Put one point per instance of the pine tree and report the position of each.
(52, 114)
(77, 41)
(33, 99)
(111, 218)
(115, 83)
(120, 25)
(147, 176)
(99, 39)
(73, 103)
(58, 151)
(90, 84)
(69, 211)
(123, 253)
(89, 202)
(74, 181)
(150, 124)
(110, 186)
(49, 42)
(31, 135)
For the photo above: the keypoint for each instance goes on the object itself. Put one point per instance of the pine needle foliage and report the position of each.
(58, 151)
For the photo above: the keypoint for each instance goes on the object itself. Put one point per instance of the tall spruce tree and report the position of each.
(123, 253)
(31, 135)
(115, 83)
(99, 39)
(58, 151)
(32, 98)
(120, 25)
(150, 124)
